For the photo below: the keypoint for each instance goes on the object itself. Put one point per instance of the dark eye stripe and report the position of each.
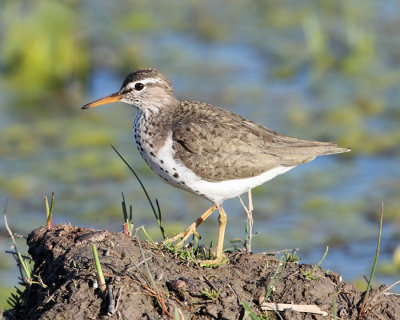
(126, 91)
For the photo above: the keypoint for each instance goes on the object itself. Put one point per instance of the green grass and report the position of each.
(310, 275)
(183, 253)
(365, 306)
(128, 220)
(5, 293)
(157, 213)
(212, 295)
(99, 272)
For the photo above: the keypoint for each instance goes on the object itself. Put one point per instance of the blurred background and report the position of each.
(325, 70)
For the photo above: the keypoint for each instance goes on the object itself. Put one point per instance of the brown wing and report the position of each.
(220, 145)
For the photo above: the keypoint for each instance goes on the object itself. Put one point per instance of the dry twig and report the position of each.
(308, 308)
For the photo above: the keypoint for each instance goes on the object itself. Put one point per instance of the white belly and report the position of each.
(175, 173)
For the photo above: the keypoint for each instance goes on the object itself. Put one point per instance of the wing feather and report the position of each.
(220, 145)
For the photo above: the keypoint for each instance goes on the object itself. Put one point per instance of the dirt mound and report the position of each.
(154, 284)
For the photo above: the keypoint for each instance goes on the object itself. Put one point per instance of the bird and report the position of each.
(206, 150)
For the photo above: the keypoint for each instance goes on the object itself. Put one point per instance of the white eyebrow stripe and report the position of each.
(145, 81)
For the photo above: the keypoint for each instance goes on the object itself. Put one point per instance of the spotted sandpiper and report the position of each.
(206, 150)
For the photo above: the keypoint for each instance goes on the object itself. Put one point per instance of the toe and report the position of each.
(214, 262)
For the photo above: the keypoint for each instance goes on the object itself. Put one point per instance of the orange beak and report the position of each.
(115, 97)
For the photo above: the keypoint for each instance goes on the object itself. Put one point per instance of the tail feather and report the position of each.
(308, 151)
(329, 148)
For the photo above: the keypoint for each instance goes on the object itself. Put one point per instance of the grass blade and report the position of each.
(128, 224)
(365, 300)
(157, 215)
(21, 262)
(99, 271)
(49, 211)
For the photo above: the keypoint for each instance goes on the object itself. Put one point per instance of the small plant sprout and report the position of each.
(157, 213)
(21, 262)
(236, 242)
(280, 268)
(212, 295)
(183, 253)
(275, 278)
(176, 314)
(366, 303)
(155, 292)
(290, 256)
(323, 257)
(128, 225)
(49, 211)
(310, 275)
(99, 272)
(250, 314)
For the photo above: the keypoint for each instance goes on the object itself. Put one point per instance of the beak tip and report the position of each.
(115, 97)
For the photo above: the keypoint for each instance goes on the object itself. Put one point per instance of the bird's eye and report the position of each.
(139, 86)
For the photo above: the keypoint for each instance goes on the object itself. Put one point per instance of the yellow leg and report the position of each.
(222, 219)
(192, 228)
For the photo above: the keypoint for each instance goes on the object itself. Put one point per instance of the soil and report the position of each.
(152, 283)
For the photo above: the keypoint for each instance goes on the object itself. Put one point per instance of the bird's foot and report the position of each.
(214, 263)
(183, 236)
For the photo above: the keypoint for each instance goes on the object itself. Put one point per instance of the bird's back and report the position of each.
(219, 145)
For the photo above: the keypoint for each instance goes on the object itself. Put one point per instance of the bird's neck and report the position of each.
(151, 128)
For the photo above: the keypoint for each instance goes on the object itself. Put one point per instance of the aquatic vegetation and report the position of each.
(44, 52)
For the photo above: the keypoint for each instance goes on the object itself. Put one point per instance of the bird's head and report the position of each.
(146, 89)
